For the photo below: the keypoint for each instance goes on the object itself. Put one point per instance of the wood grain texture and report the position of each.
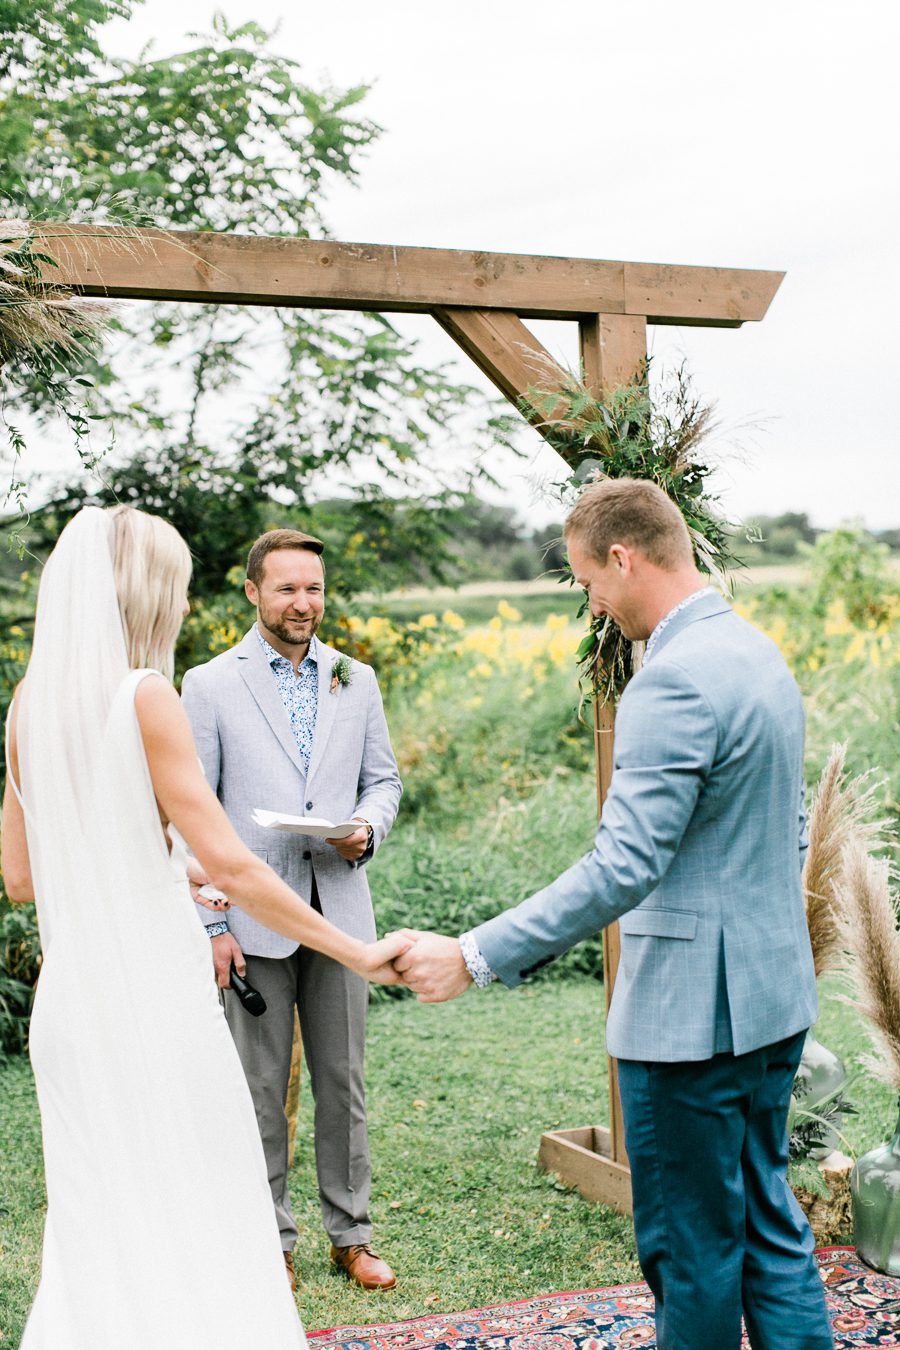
(505, 350)
(292, 1100)
(260, 270)
(500, 344)
(720, 297)
(613, 350)
(581, 1158)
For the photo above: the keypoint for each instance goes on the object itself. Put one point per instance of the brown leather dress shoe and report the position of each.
(291, 1273)
(363, 1266)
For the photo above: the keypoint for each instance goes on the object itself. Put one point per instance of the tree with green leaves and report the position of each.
(223, 415)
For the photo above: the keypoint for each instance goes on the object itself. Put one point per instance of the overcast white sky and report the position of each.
(731, 134)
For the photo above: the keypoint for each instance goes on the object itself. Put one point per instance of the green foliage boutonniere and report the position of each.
(340, 672)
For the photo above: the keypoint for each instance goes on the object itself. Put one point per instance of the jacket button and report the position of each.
(309, 806)
(307, 855)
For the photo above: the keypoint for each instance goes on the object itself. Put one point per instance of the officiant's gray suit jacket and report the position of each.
(250, 758)
(698, 854)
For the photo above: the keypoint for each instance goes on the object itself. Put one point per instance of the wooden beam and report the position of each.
(258, 270)
(504, 349)
(717, 297)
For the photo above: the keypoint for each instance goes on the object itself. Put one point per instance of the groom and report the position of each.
(285, 723)
(698, 856)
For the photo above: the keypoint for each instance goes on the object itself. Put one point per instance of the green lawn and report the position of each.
(458, 1097)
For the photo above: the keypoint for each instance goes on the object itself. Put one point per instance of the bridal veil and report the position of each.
(160, 1230)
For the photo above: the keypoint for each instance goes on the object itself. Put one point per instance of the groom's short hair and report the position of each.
(273, 540)
(635, 512)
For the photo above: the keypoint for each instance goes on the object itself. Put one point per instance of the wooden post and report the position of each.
(292, 1100)
(613, 350)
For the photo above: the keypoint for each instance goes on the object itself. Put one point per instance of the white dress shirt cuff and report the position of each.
(478, 968)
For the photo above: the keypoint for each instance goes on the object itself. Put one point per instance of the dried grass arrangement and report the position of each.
(867, 918)
(626, 435)
(841, 812)
(45, 328)
(35, 314)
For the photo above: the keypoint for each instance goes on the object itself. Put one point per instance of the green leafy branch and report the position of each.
(626, 434)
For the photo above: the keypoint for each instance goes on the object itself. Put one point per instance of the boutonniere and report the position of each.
(341, 672)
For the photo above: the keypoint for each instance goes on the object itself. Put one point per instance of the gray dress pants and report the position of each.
(332, 1004)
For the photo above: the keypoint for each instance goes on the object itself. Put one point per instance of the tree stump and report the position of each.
(292, 1100)
(830, 1216)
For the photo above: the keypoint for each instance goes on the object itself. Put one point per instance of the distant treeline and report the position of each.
(479, 541)
(496, 544)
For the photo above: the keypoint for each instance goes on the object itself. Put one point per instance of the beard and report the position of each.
(296, 634)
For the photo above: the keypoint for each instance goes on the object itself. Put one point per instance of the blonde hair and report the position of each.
(152, 569)
(632, 511)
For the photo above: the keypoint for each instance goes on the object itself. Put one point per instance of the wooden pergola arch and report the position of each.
(480, 299)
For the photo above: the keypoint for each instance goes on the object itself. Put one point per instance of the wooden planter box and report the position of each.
(581, 1158)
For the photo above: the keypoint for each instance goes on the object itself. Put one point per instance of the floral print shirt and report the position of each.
(299, 693)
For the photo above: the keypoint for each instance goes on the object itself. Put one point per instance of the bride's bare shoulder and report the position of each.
(158, 706)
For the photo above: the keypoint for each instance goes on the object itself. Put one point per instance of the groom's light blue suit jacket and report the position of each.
(698, 854)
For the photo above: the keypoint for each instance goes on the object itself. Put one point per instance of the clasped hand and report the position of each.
(432, 966)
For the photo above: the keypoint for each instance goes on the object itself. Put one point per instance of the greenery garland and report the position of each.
(626, 435)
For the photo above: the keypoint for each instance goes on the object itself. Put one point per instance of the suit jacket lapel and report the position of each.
(257, 675)
(327, 707)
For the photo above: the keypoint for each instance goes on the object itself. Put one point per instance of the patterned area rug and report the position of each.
(864, 1306)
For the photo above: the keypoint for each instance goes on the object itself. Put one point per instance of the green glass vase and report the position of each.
(875, 1190)
(820, 1077)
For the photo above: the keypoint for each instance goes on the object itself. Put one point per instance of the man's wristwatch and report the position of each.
(370, 832)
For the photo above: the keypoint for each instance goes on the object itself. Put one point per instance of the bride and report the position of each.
(160, 1233)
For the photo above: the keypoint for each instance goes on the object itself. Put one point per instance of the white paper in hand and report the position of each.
(323, 829)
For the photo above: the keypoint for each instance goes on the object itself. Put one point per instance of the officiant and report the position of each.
(286, 723)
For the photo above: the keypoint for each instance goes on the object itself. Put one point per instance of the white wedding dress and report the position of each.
(160, 1232)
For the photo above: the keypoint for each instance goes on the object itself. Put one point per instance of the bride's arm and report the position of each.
(14, 861)
(187, 800)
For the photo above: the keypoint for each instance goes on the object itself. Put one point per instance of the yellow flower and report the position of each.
(428, 621)
(474, 702)
(556, 622)
(450, 619)
(481, 672)
(16, 631)
(506, 611)
(495, 624)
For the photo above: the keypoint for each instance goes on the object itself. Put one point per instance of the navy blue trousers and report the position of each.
(719, 1232)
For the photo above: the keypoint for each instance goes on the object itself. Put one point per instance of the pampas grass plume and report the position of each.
(867, 927)
(841, 811)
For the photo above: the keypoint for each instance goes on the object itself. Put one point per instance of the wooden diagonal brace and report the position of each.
(505, 350)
